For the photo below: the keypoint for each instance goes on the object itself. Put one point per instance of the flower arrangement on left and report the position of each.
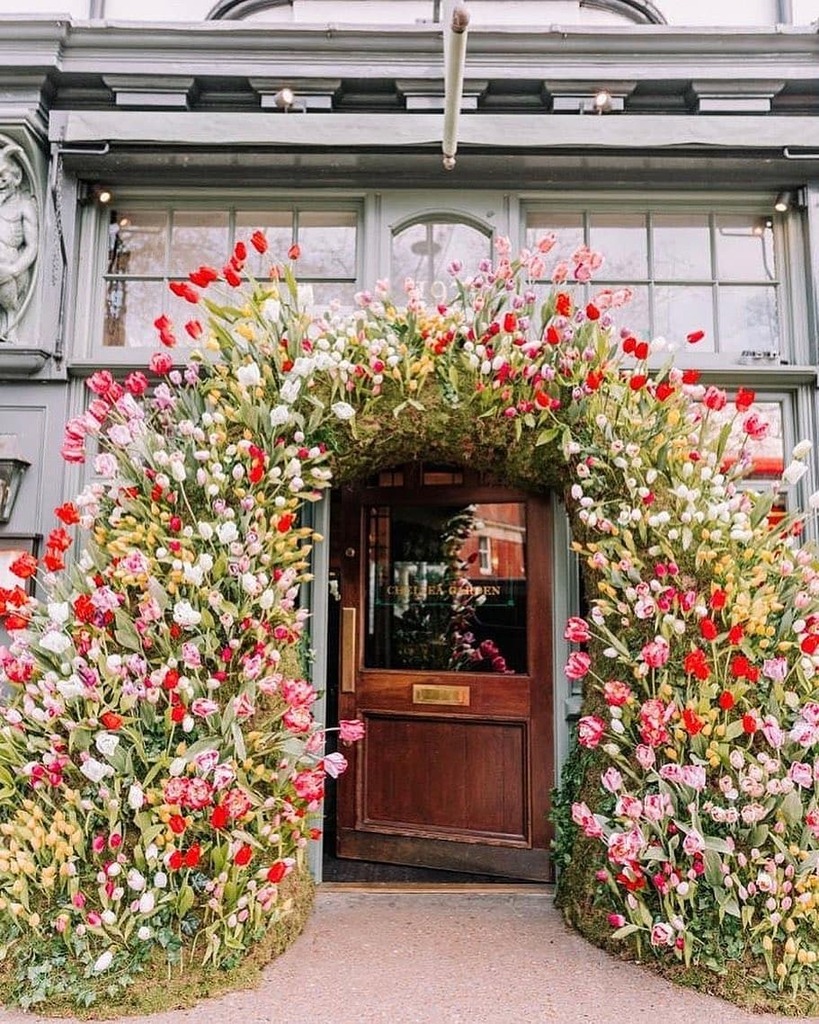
(160, 764)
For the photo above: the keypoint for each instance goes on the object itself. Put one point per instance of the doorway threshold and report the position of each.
(478, 888)
(363, 872)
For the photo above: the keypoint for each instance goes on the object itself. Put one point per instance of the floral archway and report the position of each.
(161, 770)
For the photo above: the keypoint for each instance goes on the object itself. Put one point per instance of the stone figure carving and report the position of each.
(19, 236)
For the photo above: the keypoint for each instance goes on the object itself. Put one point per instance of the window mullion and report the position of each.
(652, 321)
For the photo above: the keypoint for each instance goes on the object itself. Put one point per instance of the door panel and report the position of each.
(447, 659)
(468, 781)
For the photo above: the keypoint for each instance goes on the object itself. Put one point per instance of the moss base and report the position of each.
(160, 987)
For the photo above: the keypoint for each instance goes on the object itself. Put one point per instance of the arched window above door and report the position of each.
(641, 12)
(425, 247)
(244, 10)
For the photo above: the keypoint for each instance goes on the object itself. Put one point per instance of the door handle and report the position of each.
(349, 660)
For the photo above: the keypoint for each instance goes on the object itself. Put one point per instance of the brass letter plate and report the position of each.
(349, 660)
(424, 693)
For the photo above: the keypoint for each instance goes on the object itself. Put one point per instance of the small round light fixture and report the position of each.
(602, 101)
(100, 194)
(284, 98)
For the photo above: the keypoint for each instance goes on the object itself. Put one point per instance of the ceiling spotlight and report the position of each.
(783, 202)
(284, 99)
(101, 194)
(602, 100)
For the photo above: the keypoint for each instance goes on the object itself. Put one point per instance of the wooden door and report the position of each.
(446, 657)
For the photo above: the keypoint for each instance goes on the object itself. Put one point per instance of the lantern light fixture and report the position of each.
(12, 470)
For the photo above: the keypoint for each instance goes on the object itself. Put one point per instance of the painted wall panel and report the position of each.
(37, 414)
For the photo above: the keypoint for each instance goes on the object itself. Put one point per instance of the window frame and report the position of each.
(789, 247)
(88, 322)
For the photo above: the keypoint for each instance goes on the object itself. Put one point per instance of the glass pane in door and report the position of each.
(446, 588)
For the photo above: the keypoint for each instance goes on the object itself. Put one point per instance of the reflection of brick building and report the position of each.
(497, 547)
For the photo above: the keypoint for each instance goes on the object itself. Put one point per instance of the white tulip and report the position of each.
(147, 902)
(103, 962)
(249, 375)
(106, 743)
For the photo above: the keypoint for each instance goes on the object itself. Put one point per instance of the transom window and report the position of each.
(716, 272)
(425, 249)
(149, 248)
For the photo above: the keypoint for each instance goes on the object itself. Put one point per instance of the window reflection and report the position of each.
(327, 239)
(681, 247)
(446, 588)
(745, 250)
(148, 247)
(197, 238)
(688, 271)
(424, 251)
(764, 457)
(624, 241)
(749, 322)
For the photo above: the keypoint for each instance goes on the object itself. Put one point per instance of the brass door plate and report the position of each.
(426, 693)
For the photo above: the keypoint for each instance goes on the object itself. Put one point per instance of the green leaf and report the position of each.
(713, 869)
(547, 436)
(79, 739)
(184, 901)
(759, 835)
(627, 929)
(238, 741)
(734, 730)
(791, 808)
(717, 845)
(809, 864)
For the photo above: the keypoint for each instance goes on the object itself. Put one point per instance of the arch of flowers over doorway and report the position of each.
(160, 765)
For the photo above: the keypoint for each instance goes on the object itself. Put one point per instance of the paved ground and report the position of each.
(463, 957)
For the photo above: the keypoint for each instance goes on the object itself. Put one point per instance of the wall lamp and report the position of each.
(100, 194)
(602, 101)
(783, 201)
(790, 199)
(12, 471)
(284, 99)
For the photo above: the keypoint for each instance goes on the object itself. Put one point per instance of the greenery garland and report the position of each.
(160, 765)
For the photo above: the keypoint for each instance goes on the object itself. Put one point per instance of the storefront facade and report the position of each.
(133, 152)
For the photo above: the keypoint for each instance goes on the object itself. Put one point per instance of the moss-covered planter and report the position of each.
(158, 990)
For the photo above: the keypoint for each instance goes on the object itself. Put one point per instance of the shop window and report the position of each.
(706, 271)
(149, 247)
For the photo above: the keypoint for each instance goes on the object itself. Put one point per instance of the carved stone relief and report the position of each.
(19, 234)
